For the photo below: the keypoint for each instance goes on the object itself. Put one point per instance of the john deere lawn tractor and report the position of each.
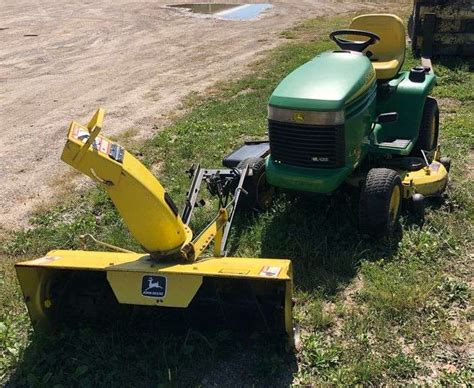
(178, 273)
(351, 117)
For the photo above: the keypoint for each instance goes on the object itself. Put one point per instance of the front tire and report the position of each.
(380, 202)
(259, 192)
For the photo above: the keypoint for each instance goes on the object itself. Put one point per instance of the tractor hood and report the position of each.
(329, 82)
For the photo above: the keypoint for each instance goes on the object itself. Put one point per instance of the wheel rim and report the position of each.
(394, 205)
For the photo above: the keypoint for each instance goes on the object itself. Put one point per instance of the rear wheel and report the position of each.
(259, 193)
(380, 202)
(429, 128)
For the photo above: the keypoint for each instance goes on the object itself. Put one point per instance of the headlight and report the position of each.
(306, 117)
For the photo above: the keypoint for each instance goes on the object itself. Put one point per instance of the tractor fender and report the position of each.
(408, 99)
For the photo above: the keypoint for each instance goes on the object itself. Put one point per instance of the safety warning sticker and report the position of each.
(270, 272)
(80, 134)
(434, 167)
(104, 146)
(100, 144)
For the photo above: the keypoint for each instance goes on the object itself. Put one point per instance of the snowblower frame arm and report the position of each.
(218, 181)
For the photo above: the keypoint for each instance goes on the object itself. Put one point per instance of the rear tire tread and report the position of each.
(427, 140)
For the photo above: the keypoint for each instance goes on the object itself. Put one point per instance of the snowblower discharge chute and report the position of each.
(66, 285)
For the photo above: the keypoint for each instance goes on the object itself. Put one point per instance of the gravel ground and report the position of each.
(59, 60)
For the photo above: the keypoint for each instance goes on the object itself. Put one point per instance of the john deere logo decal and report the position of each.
(298, 117)
(154, 286)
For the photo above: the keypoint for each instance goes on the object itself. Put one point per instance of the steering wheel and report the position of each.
(354, 45)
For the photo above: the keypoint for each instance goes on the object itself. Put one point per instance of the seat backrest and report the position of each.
(391, 30)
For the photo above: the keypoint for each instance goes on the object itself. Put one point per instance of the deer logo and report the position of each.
(154, 286)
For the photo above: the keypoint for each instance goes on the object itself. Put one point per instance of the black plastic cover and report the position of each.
(251, 149)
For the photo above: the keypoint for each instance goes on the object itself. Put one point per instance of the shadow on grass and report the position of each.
(127, 355)
(124, 345)
(320, 235)
(454, 63)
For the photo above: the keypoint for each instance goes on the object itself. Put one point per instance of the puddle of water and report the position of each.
(226, 11)
(206, 9)
(244, 12)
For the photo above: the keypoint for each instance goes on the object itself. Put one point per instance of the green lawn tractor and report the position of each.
(351, 117)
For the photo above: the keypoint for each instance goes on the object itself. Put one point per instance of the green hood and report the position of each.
(327, 83)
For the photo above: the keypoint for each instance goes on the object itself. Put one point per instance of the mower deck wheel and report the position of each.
(446, 162)
(259, 193)
(380, 202)
(417, 206)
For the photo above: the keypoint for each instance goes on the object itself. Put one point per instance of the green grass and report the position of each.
(371, 312)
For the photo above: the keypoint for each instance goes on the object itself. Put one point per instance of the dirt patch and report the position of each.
(449, 105)
(470, 166)
(60, 60)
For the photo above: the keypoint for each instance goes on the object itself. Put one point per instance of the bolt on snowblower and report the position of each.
(176, 272)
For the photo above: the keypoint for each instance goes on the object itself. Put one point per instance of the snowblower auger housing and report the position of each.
(173, 272)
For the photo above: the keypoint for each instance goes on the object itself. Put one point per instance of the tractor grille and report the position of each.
(307, 145)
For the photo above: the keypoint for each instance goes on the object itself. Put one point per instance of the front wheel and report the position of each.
(259, 192)
(380, 202)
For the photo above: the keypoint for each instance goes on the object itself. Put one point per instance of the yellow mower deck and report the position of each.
(428, 181)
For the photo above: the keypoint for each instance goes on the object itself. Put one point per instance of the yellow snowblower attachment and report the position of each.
(173, 274)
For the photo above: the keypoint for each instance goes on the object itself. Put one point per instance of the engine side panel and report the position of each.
(407, 98)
